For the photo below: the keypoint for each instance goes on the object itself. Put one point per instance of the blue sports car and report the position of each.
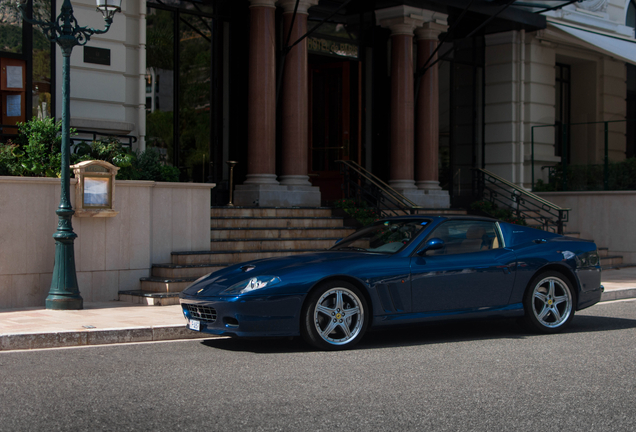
(398, 271)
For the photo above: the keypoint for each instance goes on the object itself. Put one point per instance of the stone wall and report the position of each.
(112, 253)
(605, 217)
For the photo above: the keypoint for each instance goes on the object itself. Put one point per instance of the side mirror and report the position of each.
(432, 244)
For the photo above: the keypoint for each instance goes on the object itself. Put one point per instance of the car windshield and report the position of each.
(388, 236)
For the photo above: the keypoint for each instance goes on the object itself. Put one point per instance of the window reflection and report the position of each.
(10, 29)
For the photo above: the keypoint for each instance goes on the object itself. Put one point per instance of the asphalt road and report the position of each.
(481, 376)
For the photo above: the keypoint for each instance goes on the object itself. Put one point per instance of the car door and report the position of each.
(471, 271)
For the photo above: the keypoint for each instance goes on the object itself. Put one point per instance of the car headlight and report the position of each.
(252, 284)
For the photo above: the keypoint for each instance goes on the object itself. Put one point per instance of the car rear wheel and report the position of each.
(549, 302)
(334, 316)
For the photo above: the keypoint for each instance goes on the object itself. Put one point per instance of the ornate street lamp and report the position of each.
(66, 32)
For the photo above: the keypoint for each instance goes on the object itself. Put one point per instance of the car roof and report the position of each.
(441, 217)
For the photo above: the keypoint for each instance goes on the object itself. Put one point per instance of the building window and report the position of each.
(180, 57)
(26, 46)
(630, 129)
(562, 107)
(630, 20)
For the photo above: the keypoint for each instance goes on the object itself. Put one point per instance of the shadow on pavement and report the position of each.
(423, 334)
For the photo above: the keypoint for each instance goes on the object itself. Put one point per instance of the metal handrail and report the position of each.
(521, 190)
(377, 181)
(131, 139)
(524, 204)
(375, 191)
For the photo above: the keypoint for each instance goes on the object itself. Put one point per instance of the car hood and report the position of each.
(305, 267)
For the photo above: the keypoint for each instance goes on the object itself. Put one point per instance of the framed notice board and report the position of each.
(12, 92)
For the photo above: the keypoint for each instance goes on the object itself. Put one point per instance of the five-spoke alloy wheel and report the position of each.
(549, 302)
(334, 316)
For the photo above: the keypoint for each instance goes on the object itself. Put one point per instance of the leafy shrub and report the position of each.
(37, 153)
(146, 165)
(491, 209)
(359, 210)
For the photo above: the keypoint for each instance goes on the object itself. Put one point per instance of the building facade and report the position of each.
(418, 92)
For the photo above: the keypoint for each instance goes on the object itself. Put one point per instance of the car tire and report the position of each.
(548, 303)
(335, 316)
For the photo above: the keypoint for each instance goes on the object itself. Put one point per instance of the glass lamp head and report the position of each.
(109, 7)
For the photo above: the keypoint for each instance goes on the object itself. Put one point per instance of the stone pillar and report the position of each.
(427, 121)
(261, 113)
(402, 106)
(295, 107)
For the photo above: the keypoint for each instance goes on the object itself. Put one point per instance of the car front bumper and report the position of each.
(245, 316)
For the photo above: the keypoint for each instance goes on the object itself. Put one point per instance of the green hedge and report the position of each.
(36, 152)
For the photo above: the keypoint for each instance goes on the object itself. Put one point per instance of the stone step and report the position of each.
(234, 211)
(280, 233)
(271, 244)
(611, 261)
(216, 257)
(173, 271)
(276, 222)
(603, 252)
(165, 285)
(149, 298)
(572, 234)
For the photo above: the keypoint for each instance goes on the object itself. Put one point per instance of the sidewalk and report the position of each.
(117, 322)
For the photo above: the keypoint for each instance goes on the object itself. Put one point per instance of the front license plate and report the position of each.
(194, 325)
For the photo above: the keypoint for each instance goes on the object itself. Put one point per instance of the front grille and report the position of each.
(203, 313)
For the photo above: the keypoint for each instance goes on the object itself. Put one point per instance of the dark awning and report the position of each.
(516, 16)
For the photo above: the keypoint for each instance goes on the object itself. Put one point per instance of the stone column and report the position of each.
(261, 113)
(295, 107)
(427, 121)
(402, 106)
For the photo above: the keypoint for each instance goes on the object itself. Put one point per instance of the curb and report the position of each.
(25, 341)
(619, 294)
(97, 337)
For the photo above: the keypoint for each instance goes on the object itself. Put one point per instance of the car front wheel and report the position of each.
(335, 316)
(549, 302)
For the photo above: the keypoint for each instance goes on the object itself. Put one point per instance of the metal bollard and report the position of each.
(231, 165)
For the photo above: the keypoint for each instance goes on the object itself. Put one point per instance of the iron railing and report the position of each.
(121, 138)
(125, 140)
(535, 210)
(565, 133)
(363, 185)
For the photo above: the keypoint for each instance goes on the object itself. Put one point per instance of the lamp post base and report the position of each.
(62, 302)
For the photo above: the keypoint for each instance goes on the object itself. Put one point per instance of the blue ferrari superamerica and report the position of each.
(398, 271)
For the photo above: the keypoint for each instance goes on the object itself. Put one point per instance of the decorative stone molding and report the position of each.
(401, 25)
(108, 126)
(430, 31)
(263, 3)
(303, 5)
(404, 19)
(418, 14)
(593, 5)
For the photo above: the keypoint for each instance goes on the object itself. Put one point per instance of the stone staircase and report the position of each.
(240, 234)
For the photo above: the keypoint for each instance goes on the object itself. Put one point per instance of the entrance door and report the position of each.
(330, 126)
